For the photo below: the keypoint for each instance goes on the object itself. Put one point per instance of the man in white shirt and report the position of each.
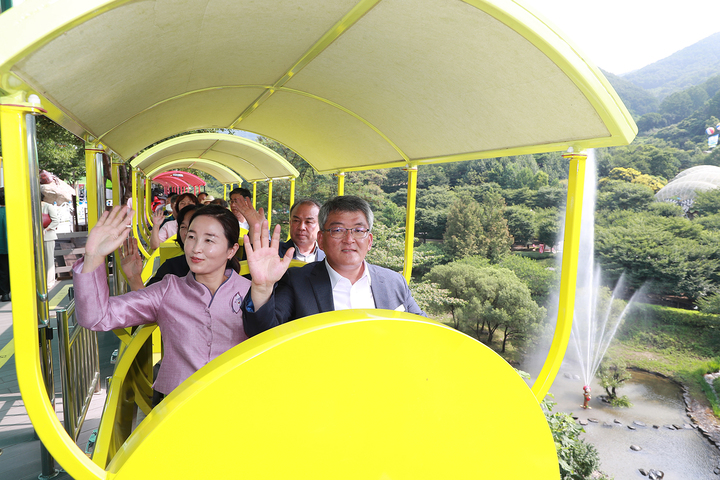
(304, 228)
(343, 280)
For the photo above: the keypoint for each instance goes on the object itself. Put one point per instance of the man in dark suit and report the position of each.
(343, 280)
(303, 232)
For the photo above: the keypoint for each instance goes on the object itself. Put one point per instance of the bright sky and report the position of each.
(620, 36)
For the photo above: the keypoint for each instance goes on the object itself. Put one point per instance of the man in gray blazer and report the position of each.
(343, 280)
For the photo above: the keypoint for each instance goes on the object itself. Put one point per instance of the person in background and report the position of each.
(221, 202)
(4, 266)
(303, 232)
(303, 228)
(168, 229)
(49, 236)
(238, 199)
(202, 196)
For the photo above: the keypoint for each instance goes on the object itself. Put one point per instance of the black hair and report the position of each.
(182, 196)
(240, 191)
(230, 225)
(345, 203)
(181, 216)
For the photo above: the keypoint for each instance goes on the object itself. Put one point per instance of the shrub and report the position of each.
(578, 460)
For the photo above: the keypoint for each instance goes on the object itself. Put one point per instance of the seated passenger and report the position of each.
(199, 315)
(238, 197)
(343, 280)
(168, 229)
(132, 264)
(303, 228)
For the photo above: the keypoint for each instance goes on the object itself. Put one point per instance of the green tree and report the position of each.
(550, 197)
(612, 374)
(539, 180)
(616, 195)
(548, 223)
(521, 223)
(709, 304)
(540, 279)
(673, 254)
(496, 298)
(388, 250)
(432, 211)
(463, 234)
(478, 229)
(707, 202)
(59, 151)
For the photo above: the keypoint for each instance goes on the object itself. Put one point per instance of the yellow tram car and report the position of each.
(348, 85)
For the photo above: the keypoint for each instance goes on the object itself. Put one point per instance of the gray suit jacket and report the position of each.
(307, 291)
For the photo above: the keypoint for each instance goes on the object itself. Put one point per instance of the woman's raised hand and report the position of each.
(106, 236)
(131, 263)
(266, 266)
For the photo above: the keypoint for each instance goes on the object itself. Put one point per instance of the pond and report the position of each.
(680, 454)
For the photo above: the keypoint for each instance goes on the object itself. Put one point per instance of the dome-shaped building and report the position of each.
(687, 184)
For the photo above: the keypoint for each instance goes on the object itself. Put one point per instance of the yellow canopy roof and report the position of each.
(347, 84)
(228, 158)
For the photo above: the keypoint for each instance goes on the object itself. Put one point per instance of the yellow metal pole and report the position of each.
(140, 208)
(148, 200)
(292, 192)
(119, 275)
(571, 243)
(21, 243)
(269, 209)
(292, 201)
(341, 184)
(410, 222)
(93, 184)
(255, 196)
(225, 191)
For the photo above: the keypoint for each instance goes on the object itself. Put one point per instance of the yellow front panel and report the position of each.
(347, 395)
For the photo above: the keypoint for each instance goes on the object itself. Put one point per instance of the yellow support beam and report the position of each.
(410, 222)
(93, 179)
(13, 128)
(341, 184)
(269, 205)
(292, 192)
(138, 204)
(568, 281)
(255, 196)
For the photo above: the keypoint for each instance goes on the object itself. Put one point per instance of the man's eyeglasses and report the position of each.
(339, 232)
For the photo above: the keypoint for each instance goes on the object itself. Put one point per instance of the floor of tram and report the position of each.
(20, 457)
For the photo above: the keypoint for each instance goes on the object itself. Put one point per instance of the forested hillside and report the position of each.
(685, 68)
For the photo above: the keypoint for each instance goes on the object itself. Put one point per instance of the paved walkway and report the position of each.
(20, 457)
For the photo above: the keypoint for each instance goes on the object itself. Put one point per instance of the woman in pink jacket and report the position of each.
(199, 314)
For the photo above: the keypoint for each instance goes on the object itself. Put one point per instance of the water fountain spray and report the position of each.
(595, 323)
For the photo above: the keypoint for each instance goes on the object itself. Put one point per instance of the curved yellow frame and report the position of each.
(156, 159)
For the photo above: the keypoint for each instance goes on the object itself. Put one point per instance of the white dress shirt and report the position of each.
(310, 257)
(347, 295)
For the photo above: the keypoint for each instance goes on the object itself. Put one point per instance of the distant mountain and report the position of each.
(638, 100)
(690, 66)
